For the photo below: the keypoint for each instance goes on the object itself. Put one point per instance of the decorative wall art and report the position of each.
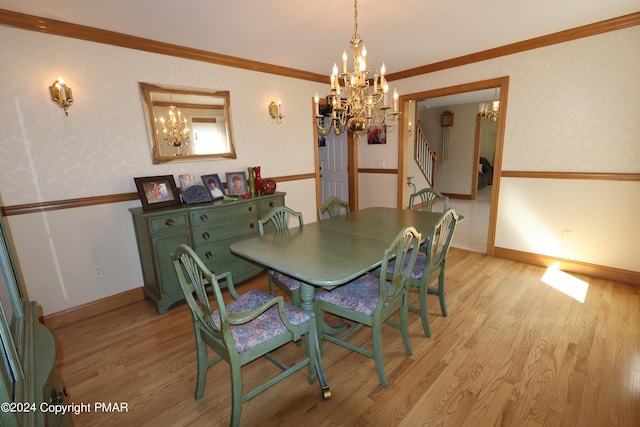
(377, 135)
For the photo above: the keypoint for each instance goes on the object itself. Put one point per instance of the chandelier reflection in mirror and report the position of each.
(365, 105)
(177, 133)
(490, 111)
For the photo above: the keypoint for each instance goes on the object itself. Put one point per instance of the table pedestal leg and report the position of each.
(307, 295)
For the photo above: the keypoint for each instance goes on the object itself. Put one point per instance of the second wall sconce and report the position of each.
(275, 111)
(61, 94)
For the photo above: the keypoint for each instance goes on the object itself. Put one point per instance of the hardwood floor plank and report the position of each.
(512, 352)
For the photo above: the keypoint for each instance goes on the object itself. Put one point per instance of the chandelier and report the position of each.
(365, 105)
(490, 111)
(177, 133)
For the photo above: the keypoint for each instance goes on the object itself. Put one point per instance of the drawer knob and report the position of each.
(271, 204)
(57, 397)
(169, 222)
(250, 208)
(204, 217)
(252, 225)
(208, 254)
(206, 235)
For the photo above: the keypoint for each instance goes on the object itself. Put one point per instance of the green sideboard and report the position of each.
(209, 228)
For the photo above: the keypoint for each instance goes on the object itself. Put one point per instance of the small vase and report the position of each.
(258, 180)
(252, 183)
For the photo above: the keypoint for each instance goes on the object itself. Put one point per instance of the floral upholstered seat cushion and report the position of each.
(360, 295)
(265, 326)
(418, 268)
(289, 282)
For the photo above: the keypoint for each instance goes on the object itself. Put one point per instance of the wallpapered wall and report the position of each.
(572, 107)
(454, 166)
(103, 143)
(559, 97)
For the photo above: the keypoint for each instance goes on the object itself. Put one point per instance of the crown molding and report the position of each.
(82, 32)
(65, 29)
(601, 27)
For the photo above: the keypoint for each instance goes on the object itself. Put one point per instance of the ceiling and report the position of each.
(311, 36)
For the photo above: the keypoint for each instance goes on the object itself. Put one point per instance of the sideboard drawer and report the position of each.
(209, 216)
(219, 259)
(267, 205)
(169, 221)
(242, 226)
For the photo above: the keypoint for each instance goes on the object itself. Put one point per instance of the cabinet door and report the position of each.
(164, 245)
(54, 393)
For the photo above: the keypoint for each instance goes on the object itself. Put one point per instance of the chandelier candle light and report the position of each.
(365, 105)
(178, 131)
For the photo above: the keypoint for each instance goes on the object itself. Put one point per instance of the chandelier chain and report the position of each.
(355, 20)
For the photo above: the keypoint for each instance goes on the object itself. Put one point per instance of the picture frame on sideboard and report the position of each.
(157, 191)
(236, 183)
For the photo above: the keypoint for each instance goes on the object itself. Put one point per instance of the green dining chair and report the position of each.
(371, 300)
(333, 206)
(430, 266)
(428, 198)
(247, 328)
(279, 217)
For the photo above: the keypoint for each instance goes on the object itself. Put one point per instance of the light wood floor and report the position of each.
(512, 352)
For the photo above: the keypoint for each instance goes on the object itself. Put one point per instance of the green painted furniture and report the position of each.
(370, 300)
(430, 266)
(279, 217)
(210, 228)
(428, 198)
(28, 382)
(333, 251)
(248, 327)
(333, 206)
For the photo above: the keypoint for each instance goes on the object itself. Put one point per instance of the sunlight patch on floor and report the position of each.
(565, 283)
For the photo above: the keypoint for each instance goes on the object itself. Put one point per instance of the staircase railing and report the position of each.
(425, 156)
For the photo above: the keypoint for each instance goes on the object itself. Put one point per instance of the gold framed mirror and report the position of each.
(187, 123)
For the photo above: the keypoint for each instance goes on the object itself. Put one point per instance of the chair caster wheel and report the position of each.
(326, 393)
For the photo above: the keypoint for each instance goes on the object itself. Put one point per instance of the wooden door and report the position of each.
(334, 167)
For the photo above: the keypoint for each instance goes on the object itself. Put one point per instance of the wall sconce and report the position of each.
(275, 111)
(61, 94)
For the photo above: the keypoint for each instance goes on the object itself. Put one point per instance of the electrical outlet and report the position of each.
(97, 271)
(566, 234)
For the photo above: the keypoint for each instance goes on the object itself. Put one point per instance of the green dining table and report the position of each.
(332, 252)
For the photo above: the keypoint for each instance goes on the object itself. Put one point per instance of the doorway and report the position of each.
(336, 164)
(333, 158)
(411, 101)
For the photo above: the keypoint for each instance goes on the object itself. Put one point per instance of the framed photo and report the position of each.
(213, 185)
(377, 135)
(236, 183)
(157, 191)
